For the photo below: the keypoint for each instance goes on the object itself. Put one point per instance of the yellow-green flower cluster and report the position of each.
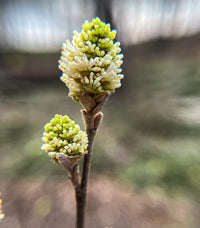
(95, 39)
(92, 60)
(62, 135)
(1, 214)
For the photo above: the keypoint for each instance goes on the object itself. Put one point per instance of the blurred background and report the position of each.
(146, 163)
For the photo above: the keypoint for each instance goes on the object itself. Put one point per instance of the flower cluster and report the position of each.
(62, 135)
(1, 214)
(91, 62)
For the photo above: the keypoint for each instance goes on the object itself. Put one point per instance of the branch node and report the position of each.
(70, 163)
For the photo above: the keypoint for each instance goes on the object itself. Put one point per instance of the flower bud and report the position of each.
(62, 135)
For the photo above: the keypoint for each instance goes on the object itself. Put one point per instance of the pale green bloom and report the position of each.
(91, 61)
(1, 214)
(62, 135)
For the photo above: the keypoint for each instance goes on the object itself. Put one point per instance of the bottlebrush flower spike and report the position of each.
(62, 135)
(91, 61)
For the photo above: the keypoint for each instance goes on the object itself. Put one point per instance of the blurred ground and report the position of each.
(44, 204)
(146, 165)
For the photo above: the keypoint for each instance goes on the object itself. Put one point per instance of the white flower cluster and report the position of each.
(99, 73)
(87, 66)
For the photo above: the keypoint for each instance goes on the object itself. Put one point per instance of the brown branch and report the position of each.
(92, 121)
(92, 118)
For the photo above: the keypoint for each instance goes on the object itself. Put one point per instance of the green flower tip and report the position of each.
(62, 135)
(91, 61)
(100, 36)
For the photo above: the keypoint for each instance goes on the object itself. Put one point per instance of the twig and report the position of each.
(92, 118)
(81, 191)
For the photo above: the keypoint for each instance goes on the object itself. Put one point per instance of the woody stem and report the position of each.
(81, 190)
